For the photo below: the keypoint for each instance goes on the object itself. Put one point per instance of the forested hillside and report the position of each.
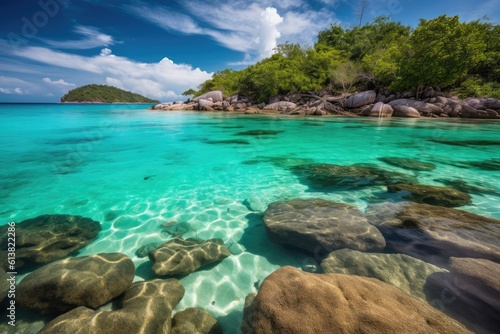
(462, 58)
(104, 94)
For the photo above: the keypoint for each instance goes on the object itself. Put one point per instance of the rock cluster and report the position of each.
(368, 103)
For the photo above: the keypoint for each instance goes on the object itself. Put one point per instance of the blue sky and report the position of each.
(161, 48)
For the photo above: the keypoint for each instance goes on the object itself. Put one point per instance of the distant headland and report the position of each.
(103, 94)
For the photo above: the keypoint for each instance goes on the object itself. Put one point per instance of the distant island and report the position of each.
(103, 94)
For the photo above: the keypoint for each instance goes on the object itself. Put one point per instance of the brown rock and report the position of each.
(292, 301)
(146, 307)
(435, 233)
(195, 321)
(83, 281)
(381, 110)
(405, 111)
(443, 196)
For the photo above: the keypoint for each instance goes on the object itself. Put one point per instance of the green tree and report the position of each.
(439, 53)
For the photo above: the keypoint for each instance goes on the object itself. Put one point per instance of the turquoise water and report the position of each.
(134, 170)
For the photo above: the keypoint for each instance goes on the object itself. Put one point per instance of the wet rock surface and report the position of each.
(292, 301)
(48, 238)
(195, 321)
(317, 225)
(434, 233)
(434, 195)
(402, 271)
(183, 256)
(408, 163)
(146, 307)
(88, 281)
(331, 177)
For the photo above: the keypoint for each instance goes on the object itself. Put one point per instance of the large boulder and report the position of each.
(205, 104)
(214, 96)
(88, 281)
(280, 106)
(320, 226)
(403, 271)
(444, 196)
(183, 256)
(420, 106)
(361, 99)
(292, 301)
(330, 177)
(491, 103)
(435, 233)
(405, 111)
(48, 238)
(146, 307)
(381, 110)
(195, 321)
(470, 292)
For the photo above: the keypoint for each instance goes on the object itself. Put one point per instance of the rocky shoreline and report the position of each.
(368, 103)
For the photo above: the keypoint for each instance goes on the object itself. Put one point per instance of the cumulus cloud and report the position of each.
(253, 28)
(164, 80)
(92, 38)
(106, 52)
(59, 82)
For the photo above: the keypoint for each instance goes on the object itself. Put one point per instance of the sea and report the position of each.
(134, 170)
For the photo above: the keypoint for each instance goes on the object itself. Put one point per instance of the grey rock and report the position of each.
(405, 111)
(361, 99)
(381, 110)
(215, 95)
(402, 271)
(146, 307)
(420, 106)
(49, 238)
(183, 256)
(433, 233)
(320, 226)
(83, 281)
(280, 106)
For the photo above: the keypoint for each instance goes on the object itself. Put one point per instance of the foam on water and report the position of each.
(134, 170)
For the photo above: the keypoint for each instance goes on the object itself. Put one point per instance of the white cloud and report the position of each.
(163, 80)
(252, 28)
(17, 91)
(106, 52)
(59, 82)
(93, 38)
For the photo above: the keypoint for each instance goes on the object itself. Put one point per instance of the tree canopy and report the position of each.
(104, 94)
(462, 57)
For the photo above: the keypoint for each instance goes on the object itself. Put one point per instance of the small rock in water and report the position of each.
(167, 224)
(310, 268)
(148, 177)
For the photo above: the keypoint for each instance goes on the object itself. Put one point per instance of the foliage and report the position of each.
(189, 92)
(474, 86)
(442, 52)
(439, 52)
(104, 94)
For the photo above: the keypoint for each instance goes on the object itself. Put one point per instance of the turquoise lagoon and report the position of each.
(133, 170)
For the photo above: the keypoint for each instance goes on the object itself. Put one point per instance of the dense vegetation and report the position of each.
(460, 57)
(104, 94)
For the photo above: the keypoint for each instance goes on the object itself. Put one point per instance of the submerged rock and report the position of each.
(444, 196)
(402, 271)
(491, 164)
(327, 176)
(195, 321)
(408, 163)
(88, 281)
(470, 292)
(258, 133)
(434, 233)
(48, 238)
(146, 307)
(321, 226)
(292, 301)
(228, 141)
(144, 250)
(464, 186)
(4, 284)
(182, 257)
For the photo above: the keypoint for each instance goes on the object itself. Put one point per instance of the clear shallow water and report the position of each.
(134, 170)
